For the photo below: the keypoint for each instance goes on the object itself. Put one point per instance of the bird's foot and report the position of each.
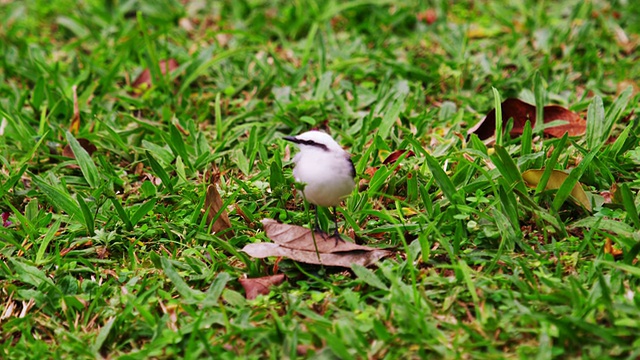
(336, 235)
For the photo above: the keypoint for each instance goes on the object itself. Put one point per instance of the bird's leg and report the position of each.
(336, 233)
(316, 227)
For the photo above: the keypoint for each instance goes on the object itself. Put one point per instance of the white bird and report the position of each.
(324, 168)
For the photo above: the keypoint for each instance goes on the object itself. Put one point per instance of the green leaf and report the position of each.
(215, 290)
(551, 163)
(33, 150)
(142, 211)
(629, 205)
(508, 168)
(88, 217)
(122, 213)
(83, 158)
(205, 62)
(629, 269)
(497, 103)
(30, 274)
(13, 180)
(189, 294)
(390, 118)
(368, 276)
(568, 185)
(615, 111)
(443, 181)
(541, 100)
(176, 143)
(596, 129)
(102, 335)
(59, 199)
(53, 229)
(159, 170)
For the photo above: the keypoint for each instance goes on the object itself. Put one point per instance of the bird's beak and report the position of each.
(291, 138)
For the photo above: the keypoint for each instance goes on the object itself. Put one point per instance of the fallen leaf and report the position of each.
(520, 111)
(260, 286)
(345, 259)
(301, 238)
(213, 205)
(394, 156)
(144, 81)
(5, 219)
(428, 16)
(75, 120)
(86, 144)
(297, 243)
(557, 178)
(609, 249)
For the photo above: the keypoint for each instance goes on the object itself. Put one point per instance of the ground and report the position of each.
(106, 247)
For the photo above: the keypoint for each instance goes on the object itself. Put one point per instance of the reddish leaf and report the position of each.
(429, 16)
(260, 286)
(520, 111)
(394, 156)
(86, 144)
(144, 81)
(5, 219)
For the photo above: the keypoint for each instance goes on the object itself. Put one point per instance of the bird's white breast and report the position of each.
(326, 175)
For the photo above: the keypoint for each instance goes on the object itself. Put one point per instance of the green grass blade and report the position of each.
(443, 181)
(59, 199)
(596, 131)
(508, 168)
(88, 167)
(629, 205)
(88, 216)
(550, 164)
(497, 104)
(159, 170)
(368, 277)
(122, 213)
(541, 100)
(567, 186)
(51, 233)
(142, 211)
(183, 289)
(102, 335)
(390, 117)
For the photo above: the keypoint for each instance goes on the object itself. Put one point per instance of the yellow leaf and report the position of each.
(557, 178)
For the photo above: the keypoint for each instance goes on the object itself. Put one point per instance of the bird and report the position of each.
(325, 169)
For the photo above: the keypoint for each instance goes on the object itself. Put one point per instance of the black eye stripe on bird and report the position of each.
(307, 142)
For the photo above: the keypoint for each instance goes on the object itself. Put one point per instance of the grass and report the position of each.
(109, 254)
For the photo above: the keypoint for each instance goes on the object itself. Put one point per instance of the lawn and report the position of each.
(141, 148)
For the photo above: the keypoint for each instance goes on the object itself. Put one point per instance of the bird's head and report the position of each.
(315, 140)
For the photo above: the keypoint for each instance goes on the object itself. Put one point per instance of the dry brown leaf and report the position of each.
(343, 259)
(609, 249)
(520, 111)
(213, 205)
(86, 144)
(260, 286)
(300, 238)
(144, 81)
(557, 178)
(75, 120)
(297, 243)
